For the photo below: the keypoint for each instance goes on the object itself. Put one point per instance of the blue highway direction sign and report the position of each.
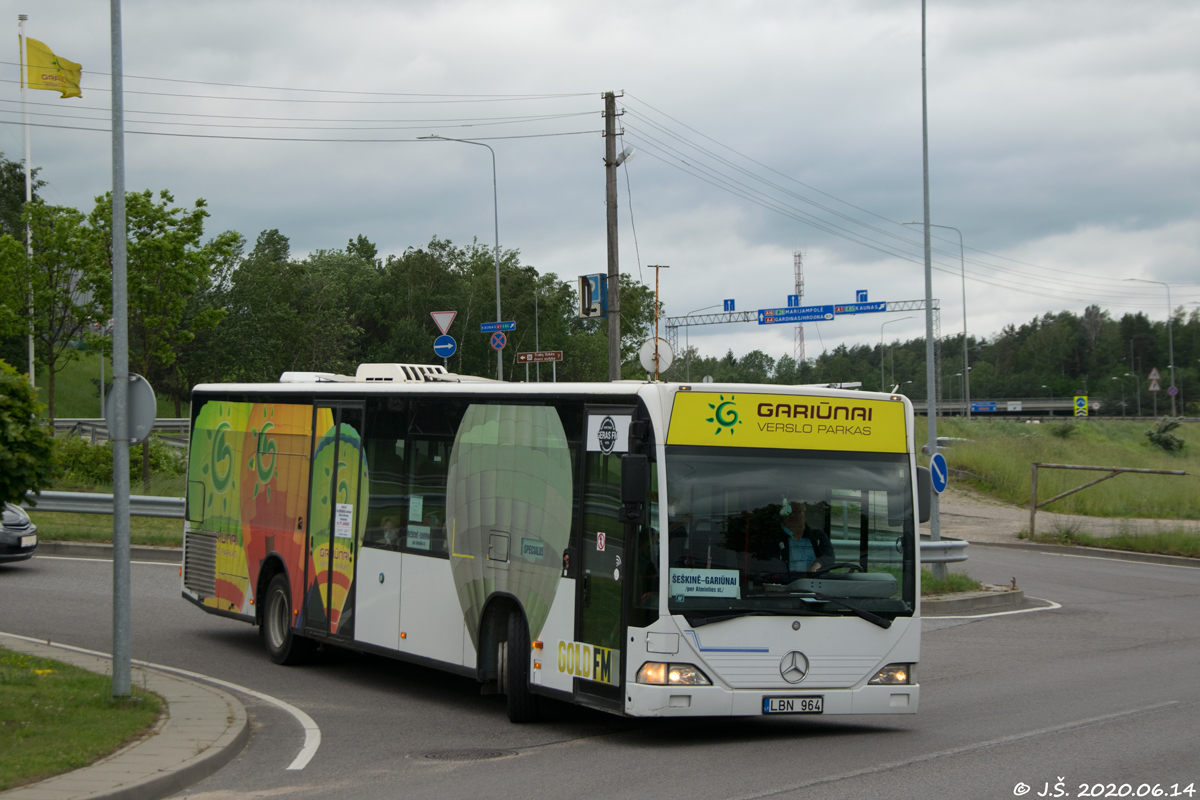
(444, 346)
(985, 405)
(939, 472)
(860, 308)
(489, 327)
(787, 316)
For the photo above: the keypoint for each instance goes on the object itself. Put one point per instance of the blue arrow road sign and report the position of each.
(444, 346)
(939, 472)
(787, 316)
(498, 341)
(488, 327)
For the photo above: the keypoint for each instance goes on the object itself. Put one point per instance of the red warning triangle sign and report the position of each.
(1154, 376)
(1154, 386)
(443, 319)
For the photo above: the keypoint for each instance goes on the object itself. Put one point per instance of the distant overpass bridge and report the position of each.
(1009, 407)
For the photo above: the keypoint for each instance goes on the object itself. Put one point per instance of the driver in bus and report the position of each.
(809, 549)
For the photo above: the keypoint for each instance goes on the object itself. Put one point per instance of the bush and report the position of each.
(1162, 435)
(26, 446)
(1062, 430)
(85, 463)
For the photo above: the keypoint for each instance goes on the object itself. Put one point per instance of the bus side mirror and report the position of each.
(924, 494)
(635, 477)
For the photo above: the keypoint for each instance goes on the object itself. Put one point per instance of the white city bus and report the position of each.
(648, 549)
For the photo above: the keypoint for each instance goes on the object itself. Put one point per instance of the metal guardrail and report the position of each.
(140, 505)
(943, 551)
(96, 429)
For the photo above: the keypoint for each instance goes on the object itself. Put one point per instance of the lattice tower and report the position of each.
(798, 346)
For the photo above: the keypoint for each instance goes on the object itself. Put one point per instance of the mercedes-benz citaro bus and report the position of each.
(648, 549)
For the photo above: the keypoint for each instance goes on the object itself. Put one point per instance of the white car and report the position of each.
(18, 536)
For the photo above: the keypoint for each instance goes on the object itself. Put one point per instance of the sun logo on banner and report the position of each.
(724, 414)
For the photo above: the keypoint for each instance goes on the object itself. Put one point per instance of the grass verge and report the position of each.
(1167, 543)
(55, 717)
(998, 455)
(60, 527)
(955, 582)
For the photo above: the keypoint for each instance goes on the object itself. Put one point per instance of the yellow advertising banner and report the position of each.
(790, 422)
(51, 72)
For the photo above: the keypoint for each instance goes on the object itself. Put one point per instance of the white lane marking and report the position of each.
(174, 564)
(1124, 560)
(965, 749)
(312, 733)
(1053, 605)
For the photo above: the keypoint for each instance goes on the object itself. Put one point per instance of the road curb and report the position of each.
(1096, 552)
(206, 728)
(974, 601)
(165, 555)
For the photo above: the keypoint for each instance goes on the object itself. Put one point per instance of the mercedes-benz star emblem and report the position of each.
(793, 666)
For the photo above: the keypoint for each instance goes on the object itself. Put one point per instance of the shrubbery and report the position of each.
(86, 464)
(26, 447)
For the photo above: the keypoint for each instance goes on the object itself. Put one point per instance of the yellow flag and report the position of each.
(48, 71)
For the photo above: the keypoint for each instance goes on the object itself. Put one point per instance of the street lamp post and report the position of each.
(1047, 388)
(882, 385)
(496, 220)
(1170, 335)
(1122, 395)
(1137, 390)
(963, 265)
(957, 375)
(687, 338)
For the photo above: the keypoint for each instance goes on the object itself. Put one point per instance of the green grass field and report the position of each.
(1000, 454)
(55, 717)
(75, 393)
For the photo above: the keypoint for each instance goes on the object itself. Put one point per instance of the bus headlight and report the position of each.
(893, 675)
(660, 674)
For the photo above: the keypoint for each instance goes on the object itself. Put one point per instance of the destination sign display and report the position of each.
(793, 314)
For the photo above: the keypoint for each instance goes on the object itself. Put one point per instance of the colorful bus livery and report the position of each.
(646, 549)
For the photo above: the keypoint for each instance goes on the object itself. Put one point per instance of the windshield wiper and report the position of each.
(697, 622)
(874, 619)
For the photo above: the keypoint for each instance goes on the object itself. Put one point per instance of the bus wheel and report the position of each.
(284, 646)
(523, 705)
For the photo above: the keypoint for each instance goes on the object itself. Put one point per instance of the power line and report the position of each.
(292, 139)
(534, 96)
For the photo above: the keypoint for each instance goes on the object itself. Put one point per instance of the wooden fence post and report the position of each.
(1033, 502)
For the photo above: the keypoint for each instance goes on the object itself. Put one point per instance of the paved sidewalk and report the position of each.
(971, 516)
(203, 730)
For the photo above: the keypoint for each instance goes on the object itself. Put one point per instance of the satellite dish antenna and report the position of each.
(624, 156)
(649, 354)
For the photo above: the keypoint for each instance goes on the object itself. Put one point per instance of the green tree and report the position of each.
(13, 342)
(66, 278)
(166, 265)
(26, 447)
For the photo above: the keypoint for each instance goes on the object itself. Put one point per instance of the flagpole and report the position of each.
(28, 181)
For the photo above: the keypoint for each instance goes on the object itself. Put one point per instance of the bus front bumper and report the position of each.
(716, 701)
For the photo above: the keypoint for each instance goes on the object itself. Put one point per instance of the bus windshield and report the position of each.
(789, 532)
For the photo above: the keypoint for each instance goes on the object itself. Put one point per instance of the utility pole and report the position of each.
(935, 526)
(610, 204)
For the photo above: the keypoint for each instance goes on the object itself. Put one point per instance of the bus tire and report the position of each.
(523, 705)
(282, 643)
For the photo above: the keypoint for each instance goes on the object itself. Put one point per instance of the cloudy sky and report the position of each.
(1063, 141)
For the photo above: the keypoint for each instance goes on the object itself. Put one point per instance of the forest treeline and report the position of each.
(221, 309)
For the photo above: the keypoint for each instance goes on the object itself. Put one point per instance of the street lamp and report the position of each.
(957, 375)
(687, 338)
(963, 265)
(1122, 395)
(496, 220)
(1047, 388)
(882, 386)
(1137, 391)
(1170, 335)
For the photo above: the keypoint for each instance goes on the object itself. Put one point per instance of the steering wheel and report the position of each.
(850, 565)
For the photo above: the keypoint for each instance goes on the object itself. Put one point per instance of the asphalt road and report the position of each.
(1100, 691)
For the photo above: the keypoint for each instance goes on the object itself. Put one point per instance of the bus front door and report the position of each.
(337, 516)
(599, 619)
